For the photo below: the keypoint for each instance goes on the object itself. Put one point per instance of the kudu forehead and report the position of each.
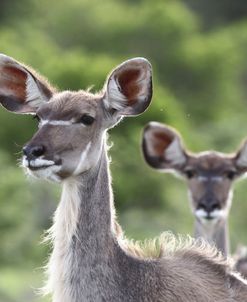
(68, 105)
(211, 162)
(210, 183)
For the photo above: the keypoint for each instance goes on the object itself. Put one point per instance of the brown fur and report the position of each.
(128, 79)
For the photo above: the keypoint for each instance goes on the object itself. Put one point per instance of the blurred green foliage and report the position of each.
(200, 75)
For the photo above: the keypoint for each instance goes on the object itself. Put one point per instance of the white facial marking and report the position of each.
(56, 123)
(24, 162)
(82, 165)
(218, 213)
(174, 153)
(217, 178)
(201, 213)
(38, 162)
(202, 178)
(49, 172)
(48, 169)
(215, 215)
(213, 178)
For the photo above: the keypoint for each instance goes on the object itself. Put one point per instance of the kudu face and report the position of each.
(209, 175)
(69, 138)
(71, 124)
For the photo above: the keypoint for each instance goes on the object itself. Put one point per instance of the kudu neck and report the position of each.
(83, 233)
(86, 208)
(214, 232)
(96, 212)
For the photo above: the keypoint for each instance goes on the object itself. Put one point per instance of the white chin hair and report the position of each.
(45, 169)
(215, 216)
(49, 173)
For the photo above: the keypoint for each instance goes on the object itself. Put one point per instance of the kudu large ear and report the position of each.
(162, 147)
(241, 157)
(21, 90)
(129, 88)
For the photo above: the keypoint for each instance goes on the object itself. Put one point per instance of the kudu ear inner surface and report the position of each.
(160, 142)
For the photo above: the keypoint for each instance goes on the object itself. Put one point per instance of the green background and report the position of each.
(198, 52)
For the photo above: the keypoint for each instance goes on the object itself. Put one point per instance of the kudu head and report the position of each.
(72, 124)
(209, 175)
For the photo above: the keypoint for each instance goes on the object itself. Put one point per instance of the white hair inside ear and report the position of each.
(114, 98)
(242, 157)
(34, 95)
(174, 153)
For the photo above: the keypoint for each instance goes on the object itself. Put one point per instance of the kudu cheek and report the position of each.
(83, 162)
(50, 173)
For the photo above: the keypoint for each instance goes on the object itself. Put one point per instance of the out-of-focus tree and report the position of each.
(219, 13)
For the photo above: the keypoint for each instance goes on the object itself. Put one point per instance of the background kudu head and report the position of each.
(71, 124)
(240, 258)
(209, 175)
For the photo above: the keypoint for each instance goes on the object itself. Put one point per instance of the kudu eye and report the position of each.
(230, 174)
(190, 173)
(86, 120)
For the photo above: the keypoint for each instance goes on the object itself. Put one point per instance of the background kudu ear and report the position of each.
(241, 157)
(129, 88)
(162, 147)
(21, 90)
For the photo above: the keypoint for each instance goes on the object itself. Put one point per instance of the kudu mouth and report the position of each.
(204, 216)
(209, 217)
(43, 168)
(34, 158)
(40, 163)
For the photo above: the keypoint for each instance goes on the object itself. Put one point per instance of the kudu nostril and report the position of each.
(215, 206)
(34, 151)
(209, 206)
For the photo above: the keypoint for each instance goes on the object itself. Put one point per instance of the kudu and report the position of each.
(240, 258)
(91, 260)
(209, 175)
